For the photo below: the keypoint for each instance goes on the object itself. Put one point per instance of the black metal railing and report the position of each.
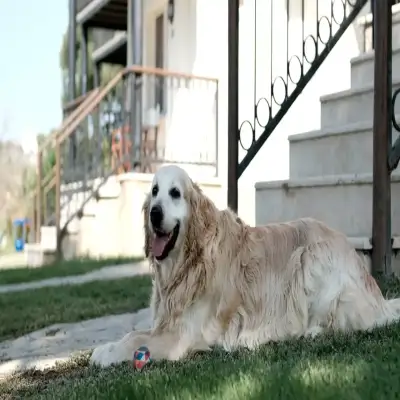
(394, 155)
(301, 34)
(298, 69)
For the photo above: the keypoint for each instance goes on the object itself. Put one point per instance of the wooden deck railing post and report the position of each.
(58, 199)
(38, 196)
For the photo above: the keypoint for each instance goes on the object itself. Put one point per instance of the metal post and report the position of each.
(72, 50)
(135, 57)
(96, 77)
(98, 151)
(58, 200)
(72, 70)
(233, 103)
(86, 161)
(84, 60)
(382, 139)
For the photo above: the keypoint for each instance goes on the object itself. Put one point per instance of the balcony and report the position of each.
(176, 114)
(106, 14)
(113, 51)
(177, 123)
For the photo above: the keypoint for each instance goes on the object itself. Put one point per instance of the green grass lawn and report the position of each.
(60, 269)
(358, 366)
(25, 311)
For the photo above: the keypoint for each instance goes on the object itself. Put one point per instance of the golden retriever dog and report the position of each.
(220, 282)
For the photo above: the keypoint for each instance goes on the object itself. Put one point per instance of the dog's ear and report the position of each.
(202, 212)
(145, 209)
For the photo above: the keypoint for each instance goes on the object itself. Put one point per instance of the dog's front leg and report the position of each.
(120, 351)
(162, 345)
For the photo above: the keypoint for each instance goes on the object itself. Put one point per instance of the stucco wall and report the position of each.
(197, 43)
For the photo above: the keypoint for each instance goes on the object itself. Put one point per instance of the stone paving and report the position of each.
(44, 348)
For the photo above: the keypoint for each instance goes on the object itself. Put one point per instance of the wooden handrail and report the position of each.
(51, 138)
(48, 177)
(96, 95)
(76, 102)
(86, 104)
(163, 72)
(50, 184)
(90, 107)
(106, 89)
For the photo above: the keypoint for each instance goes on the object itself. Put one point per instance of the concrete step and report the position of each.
(363, 245)
(362, 68)
(350, 106)
(75, 195)
(333, 151)
(344, 202)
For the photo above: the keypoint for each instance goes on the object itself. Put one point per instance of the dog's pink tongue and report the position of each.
(159, 244)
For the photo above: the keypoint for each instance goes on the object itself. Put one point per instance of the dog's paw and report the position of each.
(313, 332)
(200, 347)
(109, 354)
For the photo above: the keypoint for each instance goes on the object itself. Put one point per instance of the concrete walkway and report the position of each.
(57, 343)
(44, 348)
(12, 260)
(105, 273)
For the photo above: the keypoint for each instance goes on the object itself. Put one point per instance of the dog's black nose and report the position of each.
(156, 216)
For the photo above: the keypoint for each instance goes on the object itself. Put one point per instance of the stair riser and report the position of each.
(347, 208)
(73, 196)
(362, 71)
(350, 109)
(395, 262)
(347, 153)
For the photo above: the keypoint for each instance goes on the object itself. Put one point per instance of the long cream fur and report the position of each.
(233, 285)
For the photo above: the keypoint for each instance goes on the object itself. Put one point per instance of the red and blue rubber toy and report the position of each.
(141, 357)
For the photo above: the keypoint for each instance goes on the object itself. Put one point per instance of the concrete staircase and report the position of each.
(331, 169)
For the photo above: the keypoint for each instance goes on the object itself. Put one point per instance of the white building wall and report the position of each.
(197, 43)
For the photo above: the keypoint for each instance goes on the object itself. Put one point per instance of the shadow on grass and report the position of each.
(358, 366)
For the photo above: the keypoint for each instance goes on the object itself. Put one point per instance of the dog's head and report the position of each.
(167, 212)
(176, 213)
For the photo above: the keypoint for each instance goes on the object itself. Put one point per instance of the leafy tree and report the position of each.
(49, 155)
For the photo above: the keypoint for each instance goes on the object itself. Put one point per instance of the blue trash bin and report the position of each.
(20, 234)
(19, 244)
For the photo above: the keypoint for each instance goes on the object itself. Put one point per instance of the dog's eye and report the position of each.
(154, 191)
(175, 193)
